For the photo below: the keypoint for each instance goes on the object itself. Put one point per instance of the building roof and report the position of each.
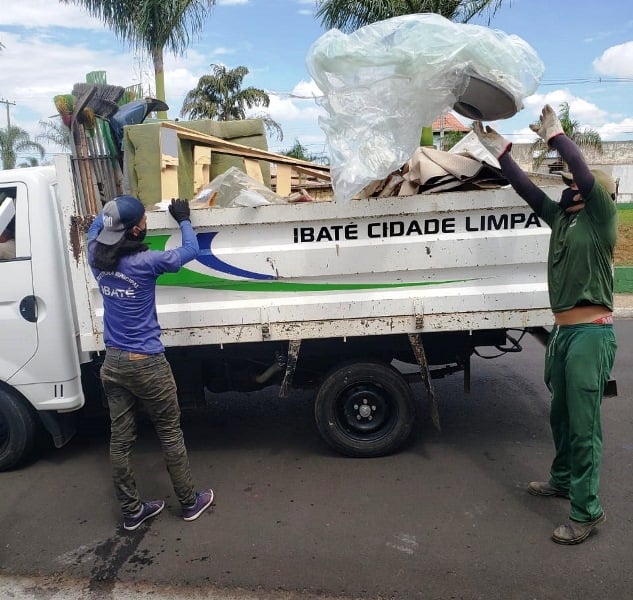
(449, 122)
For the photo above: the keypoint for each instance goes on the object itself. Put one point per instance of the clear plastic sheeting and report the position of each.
(382, 83)
(235, 188)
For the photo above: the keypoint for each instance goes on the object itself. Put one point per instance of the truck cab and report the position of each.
(38, 330)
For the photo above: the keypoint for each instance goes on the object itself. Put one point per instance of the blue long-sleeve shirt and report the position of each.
(129, 291)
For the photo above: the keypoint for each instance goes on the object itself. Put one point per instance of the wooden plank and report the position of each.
(239, 149)
(201, 167)
(253, 169)
(284, 176)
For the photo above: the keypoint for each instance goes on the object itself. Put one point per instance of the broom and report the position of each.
(65, 103)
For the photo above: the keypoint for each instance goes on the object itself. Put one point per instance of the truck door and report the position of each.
(18, 308)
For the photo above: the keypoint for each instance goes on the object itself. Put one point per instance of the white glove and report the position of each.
(548, 125)
(496, 144)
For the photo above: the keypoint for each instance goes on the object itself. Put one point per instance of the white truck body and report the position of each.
(276, 276)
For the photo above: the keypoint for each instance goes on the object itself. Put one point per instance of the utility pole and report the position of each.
(8, 103)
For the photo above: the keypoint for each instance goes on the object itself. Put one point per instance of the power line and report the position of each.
(583, 80)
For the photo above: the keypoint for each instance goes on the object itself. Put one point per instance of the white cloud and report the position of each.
(616, 131)
(53, 69)
(32, 14)
(616, 61)
(523, 136)
(307, 89)
(586, 113)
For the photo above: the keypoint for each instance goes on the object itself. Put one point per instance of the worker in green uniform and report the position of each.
(581, 346)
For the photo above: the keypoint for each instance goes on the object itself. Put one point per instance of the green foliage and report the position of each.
(349, 15)
(14, 140)
(450, 139)
(298, 151)
(151, 26)
(585, 138)
(220, 96)
(56, 133)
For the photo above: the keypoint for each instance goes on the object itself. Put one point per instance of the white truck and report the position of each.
(328, 296)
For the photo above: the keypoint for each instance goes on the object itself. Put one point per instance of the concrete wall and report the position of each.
(616, 159)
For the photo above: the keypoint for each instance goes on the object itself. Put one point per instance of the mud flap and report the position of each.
(61, 426)
(291, 365)
(418, 350)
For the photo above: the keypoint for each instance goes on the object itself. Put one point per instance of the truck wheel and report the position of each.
(365, 409)
(18, 429)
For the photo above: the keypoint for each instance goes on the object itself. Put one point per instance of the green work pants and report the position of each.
(578, 363)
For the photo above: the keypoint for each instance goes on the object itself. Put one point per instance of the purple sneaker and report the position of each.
(203, 501)
(148, 510)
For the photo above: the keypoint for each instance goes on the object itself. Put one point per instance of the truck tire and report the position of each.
(18, 429)
(365, 409)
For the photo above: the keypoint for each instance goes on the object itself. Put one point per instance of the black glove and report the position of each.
(179, 209)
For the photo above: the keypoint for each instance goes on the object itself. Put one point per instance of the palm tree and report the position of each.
(349, 15)
(220, 96)
(13, 140)
(152, 26)
(585, 138)
(56, 133)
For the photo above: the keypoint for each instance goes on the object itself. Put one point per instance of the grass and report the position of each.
(624, 247)
(624, 250)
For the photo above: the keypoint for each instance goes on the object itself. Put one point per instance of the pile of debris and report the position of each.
(430, 171)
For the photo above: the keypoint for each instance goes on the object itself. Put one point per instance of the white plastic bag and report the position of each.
(384, 82)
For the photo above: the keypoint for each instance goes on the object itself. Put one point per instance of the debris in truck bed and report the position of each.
(430, 171)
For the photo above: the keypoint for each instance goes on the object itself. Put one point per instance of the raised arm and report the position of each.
(550, 130)
(499, 147)
(179, 209)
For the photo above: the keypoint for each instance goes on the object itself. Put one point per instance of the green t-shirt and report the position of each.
(580, 259)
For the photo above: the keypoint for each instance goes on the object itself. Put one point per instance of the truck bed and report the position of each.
(453, 261)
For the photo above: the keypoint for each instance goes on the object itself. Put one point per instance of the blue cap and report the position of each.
(119, 215)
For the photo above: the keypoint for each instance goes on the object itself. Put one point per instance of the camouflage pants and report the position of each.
(147, 381)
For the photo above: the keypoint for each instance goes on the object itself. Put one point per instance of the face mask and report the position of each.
(138, 237)
(567, 198)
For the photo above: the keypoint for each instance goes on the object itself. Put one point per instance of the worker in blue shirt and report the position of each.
(135, 371)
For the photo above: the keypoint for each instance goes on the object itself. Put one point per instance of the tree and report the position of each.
(300, 152)
(56, 133)
(450, 139)
(220, 96)
(14, 140)
(349, 15)
(585, 138)
(152, 26)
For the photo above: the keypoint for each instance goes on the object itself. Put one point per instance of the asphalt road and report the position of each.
(446, 518)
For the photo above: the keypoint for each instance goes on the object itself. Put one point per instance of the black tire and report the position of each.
(365, 409)
(18, 429)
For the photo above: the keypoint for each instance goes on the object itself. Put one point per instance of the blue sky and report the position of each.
(587, 49)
